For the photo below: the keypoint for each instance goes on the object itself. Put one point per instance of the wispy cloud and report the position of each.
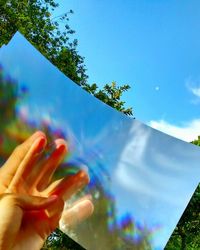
(194, 88)
(195, 91)
(187, 132)
(145, 170)
(138, 142)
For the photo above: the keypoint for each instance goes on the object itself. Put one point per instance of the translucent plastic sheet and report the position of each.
(141, 179)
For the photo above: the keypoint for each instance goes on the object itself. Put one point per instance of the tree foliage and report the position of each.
(52, 36)
(59, 240)
(111, 95)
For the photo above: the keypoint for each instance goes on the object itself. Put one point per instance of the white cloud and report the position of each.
(188, 132)
(194, 88)
(195, 91)
(132, 154)
(154, 184)
(138, 142)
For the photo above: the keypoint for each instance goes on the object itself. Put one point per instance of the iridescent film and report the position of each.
(141, 179)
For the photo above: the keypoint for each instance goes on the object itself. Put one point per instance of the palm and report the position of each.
(35, 227)
(27, 220)
(32, 234)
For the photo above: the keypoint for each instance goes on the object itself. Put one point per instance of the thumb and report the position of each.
(27, 202)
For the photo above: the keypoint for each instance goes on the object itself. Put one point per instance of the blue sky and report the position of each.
(152, 45)
(138, 166)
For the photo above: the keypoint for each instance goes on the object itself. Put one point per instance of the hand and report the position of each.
(26, 221)
(22, 174)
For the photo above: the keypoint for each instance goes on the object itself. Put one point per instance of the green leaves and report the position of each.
(110, 94)
(52, 36)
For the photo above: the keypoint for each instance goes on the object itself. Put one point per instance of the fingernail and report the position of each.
(61, 148)
(52, 198)
(41, 142)
(84, 176)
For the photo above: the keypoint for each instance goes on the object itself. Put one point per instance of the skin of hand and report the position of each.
(26, 221)
(76, 213)
(22, 174)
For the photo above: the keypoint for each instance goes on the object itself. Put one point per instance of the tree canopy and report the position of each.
(53, 37)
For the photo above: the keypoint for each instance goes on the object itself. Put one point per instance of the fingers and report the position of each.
(20, 152)
(42, 174)
(18, 156)
(27, 163)
(27, 202)
(27, 174)
(68, 186)
(76, 214)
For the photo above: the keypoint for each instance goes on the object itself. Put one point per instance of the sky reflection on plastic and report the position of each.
(141, 179)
